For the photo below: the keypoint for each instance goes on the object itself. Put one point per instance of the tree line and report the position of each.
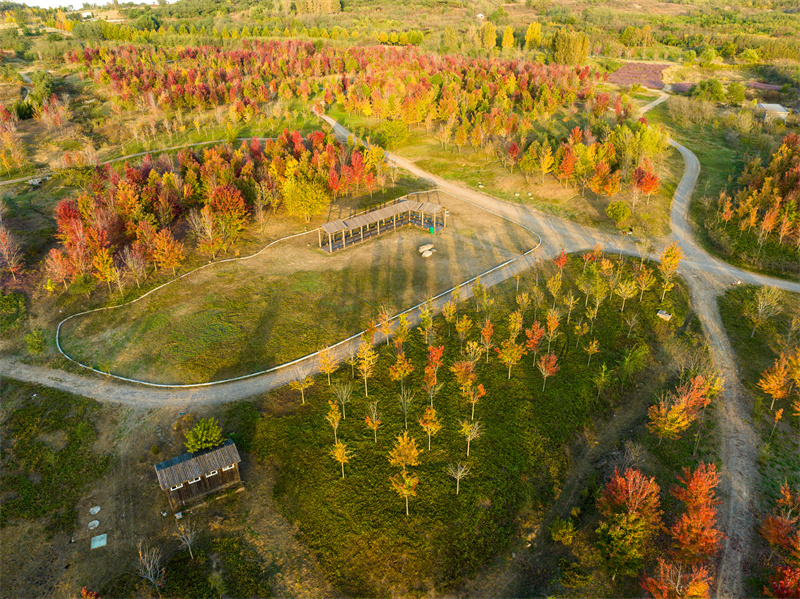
(763, 212)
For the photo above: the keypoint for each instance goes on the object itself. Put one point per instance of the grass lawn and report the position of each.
(51, 460)
(242, 317)
(719, 162)
(481, 170)
(357, 526)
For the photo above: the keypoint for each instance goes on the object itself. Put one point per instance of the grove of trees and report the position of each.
(126, 222)
(758, 225)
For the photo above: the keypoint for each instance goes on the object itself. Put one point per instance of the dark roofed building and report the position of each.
(190, 476)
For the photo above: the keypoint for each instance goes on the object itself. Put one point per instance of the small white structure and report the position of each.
(773, 111)
(427, 254)
(480, 15)
(86, 15)
(664, 315)
(425, 248)
(99, 541)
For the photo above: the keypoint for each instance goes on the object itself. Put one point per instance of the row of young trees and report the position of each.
(600, 280)
(123, 223)
(765, 210)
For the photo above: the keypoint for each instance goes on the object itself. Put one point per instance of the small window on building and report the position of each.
(228, 467)
(212, 473)
(176, 487)
(194, 480)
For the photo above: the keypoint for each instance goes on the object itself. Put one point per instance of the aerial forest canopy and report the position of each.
(480, 292)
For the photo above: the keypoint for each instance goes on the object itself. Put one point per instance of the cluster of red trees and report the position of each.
(125, 222)
(695, 540)
(767, 205)
(631, 519)
(782, 532)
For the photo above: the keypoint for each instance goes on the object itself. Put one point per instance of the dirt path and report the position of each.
(707, 277)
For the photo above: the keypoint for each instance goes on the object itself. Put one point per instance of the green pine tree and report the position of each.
(206, 433)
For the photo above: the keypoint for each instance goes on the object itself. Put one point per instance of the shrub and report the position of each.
(34, 342)
(562, 531)
(618, 211)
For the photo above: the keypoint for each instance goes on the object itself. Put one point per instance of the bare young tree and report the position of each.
(471, 431)
(301, 380)
(187, 535)
(765, 306)
(148, 565)
(792, 335)
(202, 225)
(343, 393)
(135, 262)
(632, 455)
(457, 471)
(405, 398)
(10, 252)
(631, 320)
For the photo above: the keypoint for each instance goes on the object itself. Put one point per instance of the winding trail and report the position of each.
(706, 277)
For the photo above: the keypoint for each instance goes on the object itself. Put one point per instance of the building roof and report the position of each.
(188, 466)
(772, 108)
(387, 212)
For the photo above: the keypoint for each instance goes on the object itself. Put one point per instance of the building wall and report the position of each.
(192, 492)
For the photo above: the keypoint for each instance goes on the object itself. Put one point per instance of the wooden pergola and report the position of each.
(345, 232)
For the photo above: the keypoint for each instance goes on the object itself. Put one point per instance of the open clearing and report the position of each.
(293, 299)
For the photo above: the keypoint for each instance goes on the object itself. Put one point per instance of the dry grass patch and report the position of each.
(242, 317)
